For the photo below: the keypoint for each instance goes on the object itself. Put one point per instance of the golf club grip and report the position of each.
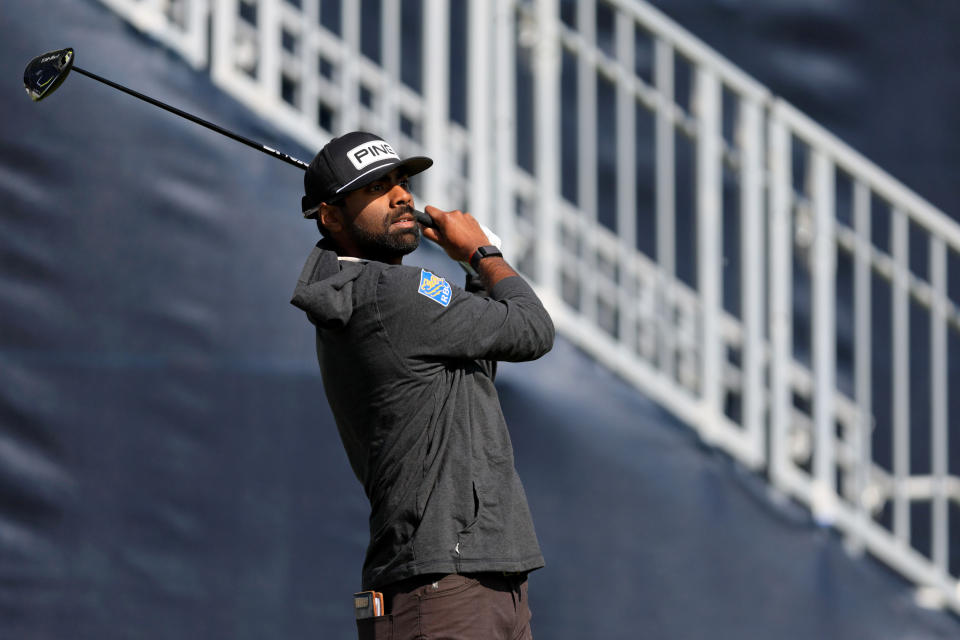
(424, 219)
(427, 221)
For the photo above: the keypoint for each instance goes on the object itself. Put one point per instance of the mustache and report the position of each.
(404, 212)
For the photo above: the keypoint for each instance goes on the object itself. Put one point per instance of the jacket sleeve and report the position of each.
(425, 319)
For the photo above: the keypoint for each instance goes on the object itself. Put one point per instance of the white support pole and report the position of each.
(666, 160)
(626, 180)
(196, 36)
(392, 58)
(224, 34)
(588, 153)
(347, 119)
(547, 140)
(436, 68)
(899, 232)
(750, 137)
(939, 441)
(587, 110)
(863, 350)
(309, 90)
(665, 204)
(709, 246)
(823, 267)
(479, 103)
(268, 36)
(781, 297)
(504, 135)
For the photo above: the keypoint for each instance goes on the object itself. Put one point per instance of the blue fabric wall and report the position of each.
(168, 464)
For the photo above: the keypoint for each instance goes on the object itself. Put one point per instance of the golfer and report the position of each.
(408, 362)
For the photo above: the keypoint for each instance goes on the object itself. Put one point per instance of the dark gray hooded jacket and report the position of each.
(408, 363)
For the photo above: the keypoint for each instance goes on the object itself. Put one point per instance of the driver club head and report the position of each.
(46, 72)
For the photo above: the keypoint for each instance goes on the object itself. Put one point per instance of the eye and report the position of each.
(376, 187)
(405, 183)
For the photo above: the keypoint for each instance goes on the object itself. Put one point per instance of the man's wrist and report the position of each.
(485, 251)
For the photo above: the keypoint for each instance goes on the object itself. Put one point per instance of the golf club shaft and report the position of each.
(192, 118)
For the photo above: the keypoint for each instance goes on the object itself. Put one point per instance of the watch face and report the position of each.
(483, 252)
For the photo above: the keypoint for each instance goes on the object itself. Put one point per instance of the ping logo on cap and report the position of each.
(363, 155)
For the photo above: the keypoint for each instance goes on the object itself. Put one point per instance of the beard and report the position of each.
(386, 244)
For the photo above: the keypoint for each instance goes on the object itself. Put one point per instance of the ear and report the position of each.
(331, 217)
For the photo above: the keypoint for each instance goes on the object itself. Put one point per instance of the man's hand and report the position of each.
(460, 235)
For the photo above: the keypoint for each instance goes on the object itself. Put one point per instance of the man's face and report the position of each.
(377, 220)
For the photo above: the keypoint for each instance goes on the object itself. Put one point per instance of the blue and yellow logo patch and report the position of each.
(435, 288)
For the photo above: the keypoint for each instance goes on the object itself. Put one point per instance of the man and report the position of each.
(408, 362)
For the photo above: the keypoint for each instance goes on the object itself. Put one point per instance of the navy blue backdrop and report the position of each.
(168, 464)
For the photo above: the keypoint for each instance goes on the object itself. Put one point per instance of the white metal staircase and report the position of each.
(597, 138)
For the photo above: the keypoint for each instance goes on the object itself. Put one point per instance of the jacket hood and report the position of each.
(325, 287)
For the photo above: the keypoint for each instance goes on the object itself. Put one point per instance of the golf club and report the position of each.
(48, 71)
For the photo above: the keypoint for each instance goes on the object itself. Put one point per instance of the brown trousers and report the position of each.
(476, 606)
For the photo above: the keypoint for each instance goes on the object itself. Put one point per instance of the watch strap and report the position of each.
(487, 251)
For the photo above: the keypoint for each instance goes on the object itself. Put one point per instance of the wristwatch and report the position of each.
(487, 251)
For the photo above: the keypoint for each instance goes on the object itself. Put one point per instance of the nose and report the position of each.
(399, 195)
